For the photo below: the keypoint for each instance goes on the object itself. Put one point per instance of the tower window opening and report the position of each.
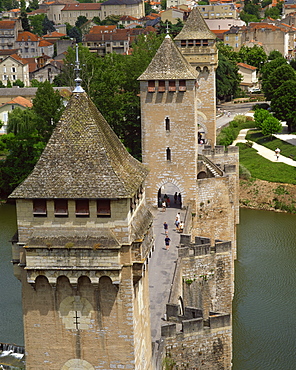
(197, 42)
(161, 86)
(82, 207)
(61, 207)
(39, 207)
(172, 85)
(205, 42)
(168, 154)
(190, 43)
(183, 43)
(182, 85)
(167, 124)
(151, 86)
(103, 207)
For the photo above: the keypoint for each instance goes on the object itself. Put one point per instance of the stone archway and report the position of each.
(77, 364)
(171, 193)
(202, 128)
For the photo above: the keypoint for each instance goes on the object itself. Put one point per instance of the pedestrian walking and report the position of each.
(163, 206)
(166, 228)
(177, 223)
(277, 153)
(167, 242)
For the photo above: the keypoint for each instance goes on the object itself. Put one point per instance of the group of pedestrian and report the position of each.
(179, 228)
(178, 199)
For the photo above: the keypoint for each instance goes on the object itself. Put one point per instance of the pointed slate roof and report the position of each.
(83, 159)
(168, 63)
(195, 28)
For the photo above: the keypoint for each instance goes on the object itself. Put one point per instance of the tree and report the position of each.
(47, 26)
(283, 103)
(254, 56)
(48, 107)
(25, 22)
(8, 83)
(36, 23)
(274, 54)
(80, 21)
(75, 33)
(21, 121)
(268, 68)
(270, 126)
(33, 5)
(19, 83)
(227, 78)
(163, 4)
(259, 116)
(111, 20)
(148, 7)
(277, 77)
(275, 12)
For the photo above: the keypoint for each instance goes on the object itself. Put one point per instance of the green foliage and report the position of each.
(270, 126)
(19, 83)
(8, 83)
(33, 5)
(268, 68)
(229, 134)
(254, 56)
(264, 3)
(47, 26)
(276, 78)
(174, 29)
(80, 21)
(97, 20)
(35, 83)
(25, 21)
(21, 121)
(283, 103)
(48, 107)
(275, 12)
(36, 23)
(244, 173)
(75, 33)
(250, 12)
(148, 7)
(259, 116)
(262, 168)
(163, 4)
(274, 54)
(227, 78)
(111, 20)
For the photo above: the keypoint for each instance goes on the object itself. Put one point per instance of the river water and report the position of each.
(264, 307)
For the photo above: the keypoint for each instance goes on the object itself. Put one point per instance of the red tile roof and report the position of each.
(102, 29)
(82, 6)
(44, 43)
(18, 58)
(20, 101)
(247, 66)
(25, 36)
(7, 25)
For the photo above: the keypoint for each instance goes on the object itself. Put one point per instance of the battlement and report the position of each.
(219, 150)
(192, 321)
(201, 246)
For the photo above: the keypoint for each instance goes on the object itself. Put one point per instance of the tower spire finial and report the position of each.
(77, 70)
(167, 29)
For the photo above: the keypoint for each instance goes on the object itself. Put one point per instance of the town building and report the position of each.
(71, 12)
(249, 76)
(173, 15)
(133, 8)
(31, 45)
(233, 38)
(47, 72)
(54, 8)
(14, 68)
(9, 30)
(218, 11)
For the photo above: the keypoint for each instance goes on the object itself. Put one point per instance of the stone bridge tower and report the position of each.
(178, 107)
(84, 237)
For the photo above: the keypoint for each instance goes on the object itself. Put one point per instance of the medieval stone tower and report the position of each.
(84, 236)
(178, 107)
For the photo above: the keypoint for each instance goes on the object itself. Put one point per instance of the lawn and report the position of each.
(288, 150)
(262, 168)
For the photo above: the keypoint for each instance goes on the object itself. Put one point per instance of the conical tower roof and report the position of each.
(83, 159)
(195, 28)
(168, 64)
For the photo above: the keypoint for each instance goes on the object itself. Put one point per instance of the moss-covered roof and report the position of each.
(168, 64)
(83, 159)
(195, 28)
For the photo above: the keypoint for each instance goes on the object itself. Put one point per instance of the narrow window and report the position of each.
(103, 207)
(205, 42)
(190, 43)
(167, 124)
(172, 86)
(61, 207)
(151, 86)
(197, 42)
(183, 43)
(39, 207)
(168, 154)
(161, 86)
(82, 207)
(182, 85)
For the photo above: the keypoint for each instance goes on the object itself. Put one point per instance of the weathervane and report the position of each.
(77, 70)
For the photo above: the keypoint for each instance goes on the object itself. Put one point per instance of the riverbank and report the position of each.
(264, 195)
